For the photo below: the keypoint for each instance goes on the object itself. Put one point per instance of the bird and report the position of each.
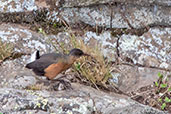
(52, 64)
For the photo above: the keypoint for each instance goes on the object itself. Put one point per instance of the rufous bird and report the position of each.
(51, 64)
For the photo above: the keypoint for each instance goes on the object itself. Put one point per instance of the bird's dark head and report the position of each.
(77, 53)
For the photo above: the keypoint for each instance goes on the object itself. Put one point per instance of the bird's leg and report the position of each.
(47, 78)
(61, 84)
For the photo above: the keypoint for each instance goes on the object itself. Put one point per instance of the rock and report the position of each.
(14, 74)
(17, 6)
(151, 49)
(22, 82)
(125, 14)
(105, 40)
(20, 6)
(81, 99)
(76, 3)
(121, 15)
(135, 77)
(26, 41)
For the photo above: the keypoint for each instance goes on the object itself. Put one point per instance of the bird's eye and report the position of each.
(79, 54)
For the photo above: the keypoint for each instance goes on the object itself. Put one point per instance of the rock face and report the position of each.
(72, 3)
(21, 37)
(140, 55)
(81, 100)
(120, 14)
(152, 48)
(16, 98)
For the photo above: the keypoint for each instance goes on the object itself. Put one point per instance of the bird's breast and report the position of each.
(54, 69)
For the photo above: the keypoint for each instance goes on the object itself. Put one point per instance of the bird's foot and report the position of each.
(61, 84)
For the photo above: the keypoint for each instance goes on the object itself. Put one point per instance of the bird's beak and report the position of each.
(85, 54)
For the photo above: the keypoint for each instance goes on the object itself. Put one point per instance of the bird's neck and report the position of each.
(71, 59)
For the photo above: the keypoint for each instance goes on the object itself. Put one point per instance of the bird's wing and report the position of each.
(52, 56)
(39, 65)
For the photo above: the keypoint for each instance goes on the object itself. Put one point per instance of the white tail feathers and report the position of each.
(35, 56)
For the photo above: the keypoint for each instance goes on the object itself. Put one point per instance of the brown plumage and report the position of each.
(51, 64)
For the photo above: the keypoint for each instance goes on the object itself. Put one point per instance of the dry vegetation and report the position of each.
(95, 68)
(6, 50)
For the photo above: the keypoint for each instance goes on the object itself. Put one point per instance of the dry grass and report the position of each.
(6, 50)
(36, 87)
(94, 68)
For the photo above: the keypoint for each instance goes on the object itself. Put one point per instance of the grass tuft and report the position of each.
(6, 50)
(95, 68)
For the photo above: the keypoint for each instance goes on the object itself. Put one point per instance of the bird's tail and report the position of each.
(35, 56)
